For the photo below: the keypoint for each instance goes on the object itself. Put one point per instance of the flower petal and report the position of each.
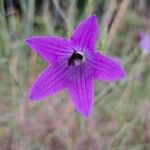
(52, 80)
(145, 41)
(81, 92)
(105, 68)
(49, 47)
(86, 34)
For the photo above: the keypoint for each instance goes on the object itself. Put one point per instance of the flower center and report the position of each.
(76, 59)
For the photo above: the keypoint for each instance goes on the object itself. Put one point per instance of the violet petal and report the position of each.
(86, 34)
(49, 48)
(81, 92)
(145, 41)
(50, 81)
(105, 68)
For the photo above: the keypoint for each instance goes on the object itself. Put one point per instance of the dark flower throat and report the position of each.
(74, 57)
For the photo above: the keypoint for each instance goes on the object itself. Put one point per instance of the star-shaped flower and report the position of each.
(73, 65)
(145, 42)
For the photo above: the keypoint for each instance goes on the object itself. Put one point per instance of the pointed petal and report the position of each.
(86, 34)
(49, 47)
(52, 80)
(81, 92)
(105, 68)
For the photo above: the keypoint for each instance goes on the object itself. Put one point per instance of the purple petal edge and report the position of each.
(82, 93)
(50, 48)
(144, 41)
(49, 82)
(86, 34)
(105, 68)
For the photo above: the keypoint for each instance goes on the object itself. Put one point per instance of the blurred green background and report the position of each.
(121, 115)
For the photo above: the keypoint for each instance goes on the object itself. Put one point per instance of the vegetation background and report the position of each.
(121, 115)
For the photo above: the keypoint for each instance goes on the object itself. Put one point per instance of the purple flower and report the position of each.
(145, 41)
(73, 65)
